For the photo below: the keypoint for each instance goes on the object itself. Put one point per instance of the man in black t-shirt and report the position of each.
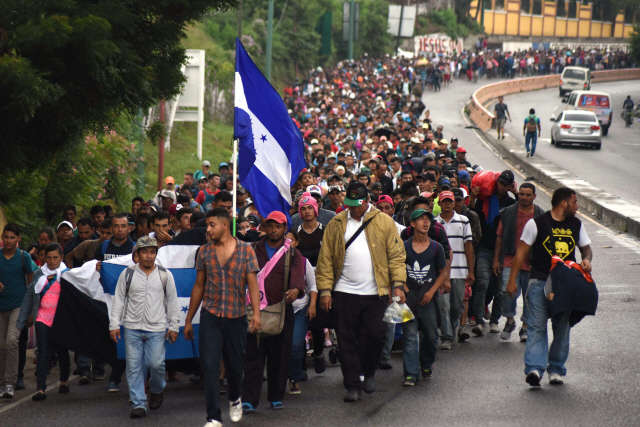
(556, 232)
(426, 274)
(486, 282)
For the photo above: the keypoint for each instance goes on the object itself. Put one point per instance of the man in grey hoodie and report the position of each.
(144, 302)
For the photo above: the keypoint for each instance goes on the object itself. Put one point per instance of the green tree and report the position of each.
(634, 45)
(69, 66)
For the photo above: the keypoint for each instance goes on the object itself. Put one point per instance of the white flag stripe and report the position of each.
(271, 160)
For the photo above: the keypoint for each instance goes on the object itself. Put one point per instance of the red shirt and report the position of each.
(201, 195)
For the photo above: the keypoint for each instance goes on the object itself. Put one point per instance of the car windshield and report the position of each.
(573, 74)
(579, 117)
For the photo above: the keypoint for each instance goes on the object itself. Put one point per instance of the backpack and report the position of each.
(128, 277)
(24, 267)
(532, 125)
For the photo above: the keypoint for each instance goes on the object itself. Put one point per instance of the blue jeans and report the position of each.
(300, 328)
(484, 273)
(427, 322)
(388, 342)
(85, 366)
(221, 339)
(145, 353)
(451, 309)
(537, 355)
(509, 305)
(531, 137)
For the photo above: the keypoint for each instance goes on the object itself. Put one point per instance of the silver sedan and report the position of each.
(576, 127)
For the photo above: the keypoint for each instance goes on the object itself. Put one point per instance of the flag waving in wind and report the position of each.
(271, 150)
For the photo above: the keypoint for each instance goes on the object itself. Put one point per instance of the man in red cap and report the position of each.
(461, 157)
(276, 349)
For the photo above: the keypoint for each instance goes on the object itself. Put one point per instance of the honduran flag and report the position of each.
(81, 323)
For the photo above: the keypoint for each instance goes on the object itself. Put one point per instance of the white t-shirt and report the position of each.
(358, 276)
(301, 303)
(530, 233)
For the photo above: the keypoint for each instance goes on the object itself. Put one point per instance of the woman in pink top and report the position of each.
(41, 303)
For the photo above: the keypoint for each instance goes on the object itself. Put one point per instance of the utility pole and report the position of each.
(161, 149)
(399, 29)
(352, 30)
(269, 40)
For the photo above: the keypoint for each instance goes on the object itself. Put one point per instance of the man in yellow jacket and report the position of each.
(361, 263)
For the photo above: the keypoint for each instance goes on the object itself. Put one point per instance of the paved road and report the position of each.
(614, 168)
(479, 383)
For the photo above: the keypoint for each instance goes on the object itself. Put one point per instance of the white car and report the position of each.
(576, 127)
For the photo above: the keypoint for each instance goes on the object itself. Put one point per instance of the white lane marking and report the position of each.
(26, 398)
(625, 241)
(613, 293)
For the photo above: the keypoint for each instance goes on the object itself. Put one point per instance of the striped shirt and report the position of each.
(458, 231)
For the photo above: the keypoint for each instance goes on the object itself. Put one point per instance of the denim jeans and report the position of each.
(531, 137)
(426, 321)
(444, 304)
(145, 353)
(509, 305)
(484, 273)
(388, 342)
(537, 354)
(300, 328)
(86, 368)
(452, 309)
(221, 339)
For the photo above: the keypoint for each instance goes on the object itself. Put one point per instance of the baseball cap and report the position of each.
(440, 126)
(431, 155)
(168, 193)
(463, 174)
(314, 189)
(376, 185)
(506, 177)
(206, 163)
(419, 212)
(384, 198)
(461, 150)
(477, 168)
(356, 194)
(314, 141)
(223, 165)
(241, 190)
(146, 242)
(169, 180)
(443, 142)
(203, 179)
(444, 182)
(457, 193)
(278, 217)
(454, 139)
(334, 187)
(425, 125)
(174, 208)
(67, 223)
(366, 149)
(464, 193)
(427, 176)
(331, 156)
(447, 195)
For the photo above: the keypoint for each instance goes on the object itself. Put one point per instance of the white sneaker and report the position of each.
(213, 423)
(8, 392)
(235, 410)
(494, 328)
(555, 378)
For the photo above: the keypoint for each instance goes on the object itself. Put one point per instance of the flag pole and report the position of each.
(235, 183)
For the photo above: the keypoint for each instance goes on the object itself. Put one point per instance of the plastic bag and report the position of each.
(486, 180)
(397, 313)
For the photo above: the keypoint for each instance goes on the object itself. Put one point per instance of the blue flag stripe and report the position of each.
(184, 278)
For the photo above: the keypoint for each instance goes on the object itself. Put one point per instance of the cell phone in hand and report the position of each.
(170, 339)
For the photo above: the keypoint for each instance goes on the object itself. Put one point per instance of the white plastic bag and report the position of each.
(397, 313)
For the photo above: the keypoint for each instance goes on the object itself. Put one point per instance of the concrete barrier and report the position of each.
(484, 118)
(607, 207)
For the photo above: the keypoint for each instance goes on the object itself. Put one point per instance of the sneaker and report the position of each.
(471, 321)
(235, 410)
(533, 378)
(463, 335)
(494, 328)
(8, 392)
(113, 387)
(319, 363)
(528, 154)
(99, 377)
(248, 408)
(294, 388)
(384, 364)
(328, 344)
(487, 313)
(445, 345)
(369, 384)
(138, 413)
(155, 400)
(508, 328)
(213, 423)
(38, 397)
(19, 384)
(277, 405)
(427, 374)
(532, 155)
(409, 382)
(352, 396)
(523, 334)
(84, 380)
(555, 378)
(63, 389)
(478, 330)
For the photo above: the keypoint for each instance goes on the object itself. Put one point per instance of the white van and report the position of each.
(598, 102)
(575, 78)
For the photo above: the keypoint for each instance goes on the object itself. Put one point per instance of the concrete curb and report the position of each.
(613, 210)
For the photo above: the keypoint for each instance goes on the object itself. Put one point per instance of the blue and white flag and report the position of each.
(270, 150)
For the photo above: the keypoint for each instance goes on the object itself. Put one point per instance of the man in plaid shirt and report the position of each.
(225, 266)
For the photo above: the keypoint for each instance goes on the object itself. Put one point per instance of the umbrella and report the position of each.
(384, 131)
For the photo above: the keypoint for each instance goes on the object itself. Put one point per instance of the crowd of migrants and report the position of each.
(384, 209)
